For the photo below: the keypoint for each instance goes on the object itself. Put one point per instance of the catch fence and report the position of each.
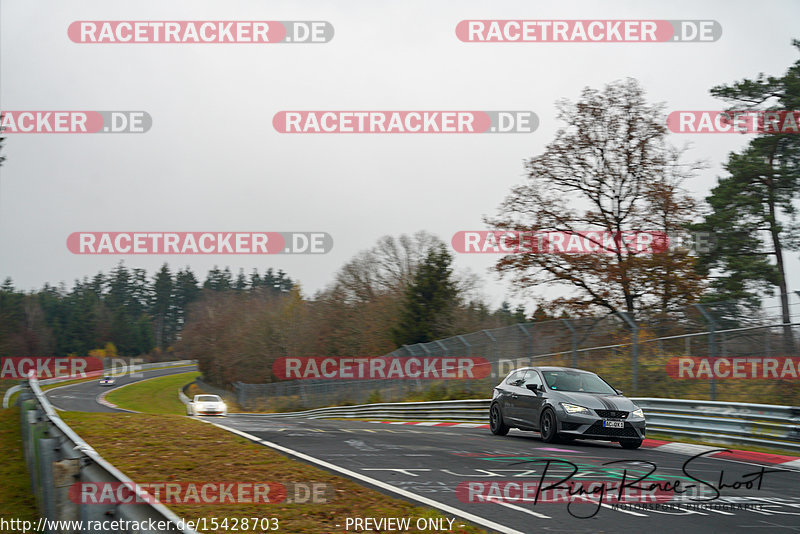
(684, 354)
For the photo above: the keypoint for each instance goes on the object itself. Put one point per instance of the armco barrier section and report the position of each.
(731, 423)
(57, 458)
(735, 423)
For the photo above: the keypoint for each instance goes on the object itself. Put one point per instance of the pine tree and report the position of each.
(163, 309)
(753, 209)
(241, 281)
(429, 301)
(187, 291)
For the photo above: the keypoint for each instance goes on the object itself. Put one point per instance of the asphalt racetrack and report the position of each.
(474, 476)
(432, 461)
(82, 397)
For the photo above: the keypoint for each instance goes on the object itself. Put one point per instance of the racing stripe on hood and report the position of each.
(608, 404)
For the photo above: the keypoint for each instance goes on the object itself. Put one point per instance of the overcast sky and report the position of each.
(212, 160)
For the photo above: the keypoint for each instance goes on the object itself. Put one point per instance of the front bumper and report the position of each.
(207, 411)
(591, 427)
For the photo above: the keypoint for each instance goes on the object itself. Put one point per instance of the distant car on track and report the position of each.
(565, 404)
(108, 381)
(207, 405)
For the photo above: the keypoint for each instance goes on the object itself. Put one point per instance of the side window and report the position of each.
(514, 378)
(532, 377)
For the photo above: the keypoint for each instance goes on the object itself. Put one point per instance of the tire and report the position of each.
(548, 426)
(496, 424)
(630, 443)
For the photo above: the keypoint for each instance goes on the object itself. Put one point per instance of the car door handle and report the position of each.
(514, 396)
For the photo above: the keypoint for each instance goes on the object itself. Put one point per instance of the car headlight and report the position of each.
(638, 413)
(574, 408)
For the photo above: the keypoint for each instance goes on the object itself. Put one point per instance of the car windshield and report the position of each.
(106, 378)
(207, 398)
(577, 382)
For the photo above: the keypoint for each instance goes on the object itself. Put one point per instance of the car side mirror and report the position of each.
(533, 387)
(619, 391)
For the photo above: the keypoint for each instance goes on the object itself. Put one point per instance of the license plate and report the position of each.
(614, 424)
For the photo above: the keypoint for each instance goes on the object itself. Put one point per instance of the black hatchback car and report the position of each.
(563, 403)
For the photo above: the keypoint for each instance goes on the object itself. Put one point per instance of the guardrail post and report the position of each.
(634, 351)
(574, 336)
(65, 473)
(45, 460)
(712, 347)
(28, 421)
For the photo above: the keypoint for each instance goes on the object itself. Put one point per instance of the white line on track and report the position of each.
(377, 483)
(514, 507)
(715, 511)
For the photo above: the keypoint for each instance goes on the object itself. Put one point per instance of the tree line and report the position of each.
(125, 308)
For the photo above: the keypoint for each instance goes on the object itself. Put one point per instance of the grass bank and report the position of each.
(154, 395)
(16, 499)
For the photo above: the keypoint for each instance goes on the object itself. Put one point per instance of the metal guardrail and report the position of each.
(462, 411)
(13, 389)
(57, 458)
(731, 423)
(734, 423)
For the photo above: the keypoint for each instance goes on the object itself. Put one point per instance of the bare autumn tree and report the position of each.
(356, 314)
(608, 169)
(238, 336)
(385, 268)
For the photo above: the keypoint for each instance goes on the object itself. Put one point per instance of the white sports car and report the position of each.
(207, 405)
(107, 381)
